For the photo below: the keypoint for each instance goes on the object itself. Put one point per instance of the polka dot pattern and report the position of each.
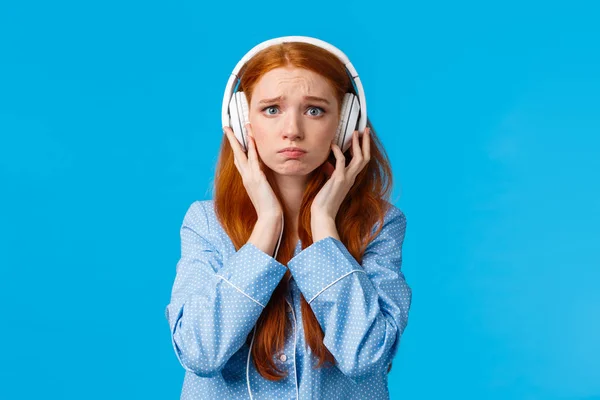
(218, 295)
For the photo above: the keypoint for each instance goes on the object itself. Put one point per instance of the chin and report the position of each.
(293, 168)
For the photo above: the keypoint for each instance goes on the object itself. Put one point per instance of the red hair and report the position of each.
(365, 204)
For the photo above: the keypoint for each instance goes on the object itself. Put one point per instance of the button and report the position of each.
(283, 357)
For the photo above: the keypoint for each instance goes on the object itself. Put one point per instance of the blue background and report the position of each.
(110, 128)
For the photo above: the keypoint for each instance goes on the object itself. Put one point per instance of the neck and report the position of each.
(292, 191)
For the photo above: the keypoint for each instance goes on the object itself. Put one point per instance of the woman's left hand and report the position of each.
(327, 202)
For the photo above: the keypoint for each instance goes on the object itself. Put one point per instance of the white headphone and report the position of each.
(234, 112)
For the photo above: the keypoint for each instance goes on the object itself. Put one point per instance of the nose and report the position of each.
(292, 127)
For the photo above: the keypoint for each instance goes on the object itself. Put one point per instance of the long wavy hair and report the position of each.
(364, 206)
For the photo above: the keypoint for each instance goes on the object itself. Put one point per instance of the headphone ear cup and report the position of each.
(242, 104)
(348, 119)
(341, 129)
(352, 124)
(238, 111)
(243, 107)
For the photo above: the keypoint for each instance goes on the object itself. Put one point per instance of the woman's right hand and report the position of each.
(260, 192)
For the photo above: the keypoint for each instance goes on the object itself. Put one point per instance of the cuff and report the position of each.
(253, 272)
(320, 265)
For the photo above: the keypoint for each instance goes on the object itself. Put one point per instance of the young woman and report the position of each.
(289, 284)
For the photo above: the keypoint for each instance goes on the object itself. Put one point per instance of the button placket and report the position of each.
(283, 357)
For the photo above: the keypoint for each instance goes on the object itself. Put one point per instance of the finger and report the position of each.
(252, 156)
(366, 145)
(352, 145)
(357, 158)
(340, 160)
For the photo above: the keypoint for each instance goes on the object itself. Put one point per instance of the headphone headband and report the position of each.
(233, 78)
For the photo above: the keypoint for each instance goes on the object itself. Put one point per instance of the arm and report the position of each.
(363, 310)
(215, 303)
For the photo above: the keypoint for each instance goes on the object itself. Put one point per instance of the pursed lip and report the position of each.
(292, 149)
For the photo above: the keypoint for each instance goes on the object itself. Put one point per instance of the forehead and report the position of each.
(292, 80)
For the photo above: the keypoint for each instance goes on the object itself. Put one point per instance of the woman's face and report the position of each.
(293, 107)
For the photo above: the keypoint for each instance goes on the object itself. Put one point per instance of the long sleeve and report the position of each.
(363, 310)
(216, 299)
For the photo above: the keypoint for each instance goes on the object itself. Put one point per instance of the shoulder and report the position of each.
(390, 238)
(200, 212)
(394, 219)
(203, 219)
(395, 212)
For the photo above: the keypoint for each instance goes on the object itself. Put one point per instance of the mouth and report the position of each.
(292, 153)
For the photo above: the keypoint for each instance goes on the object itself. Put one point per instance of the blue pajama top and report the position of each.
(219, 293)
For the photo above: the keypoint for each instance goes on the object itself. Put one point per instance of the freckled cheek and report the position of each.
(259, 136)
(262, 135)
(319, 156)
(265, 148)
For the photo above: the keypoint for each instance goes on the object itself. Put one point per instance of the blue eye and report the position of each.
(317, 108)
(311, 109)
(268, 107)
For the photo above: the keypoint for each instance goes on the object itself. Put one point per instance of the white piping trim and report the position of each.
(248, 364)
(343, 276)
(280, 236)
(240, 290)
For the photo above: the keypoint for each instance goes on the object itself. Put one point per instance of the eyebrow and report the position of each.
(279, 98)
